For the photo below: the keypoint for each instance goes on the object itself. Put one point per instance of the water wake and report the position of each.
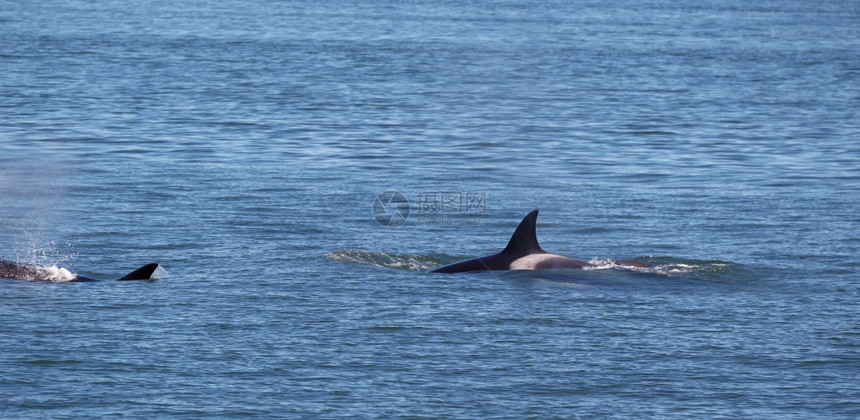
(664, 266)
(382, 259)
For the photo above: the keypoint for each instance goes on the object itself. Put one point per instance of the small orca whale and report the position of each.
(524, 253)
(13, 270)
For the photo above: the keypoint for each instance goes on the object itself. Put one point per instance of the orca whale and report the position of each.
(13, 270)
(524, 253)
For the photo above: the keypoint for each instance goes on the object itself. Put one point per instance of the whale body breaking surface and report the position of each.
(524, 253)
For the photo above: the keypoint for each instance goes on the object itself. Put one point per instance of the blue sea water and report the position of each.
(242, 146)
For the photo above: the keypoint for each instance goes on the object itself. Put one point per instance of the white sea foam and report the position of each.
(608, 263)
(600, 264)
(55, 274)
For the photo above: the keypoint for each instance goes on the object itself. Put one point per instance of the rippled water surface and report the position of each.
(242, 147)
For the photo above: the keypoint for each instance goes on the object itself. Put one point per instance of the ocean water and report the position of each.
(253, 149)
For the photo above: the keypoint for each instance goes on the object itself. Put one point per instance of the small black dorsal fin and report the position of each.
(142, 273)
(524, 240)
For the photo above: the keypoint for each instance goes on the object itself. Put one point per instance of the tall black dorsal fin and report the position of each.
(524, 240)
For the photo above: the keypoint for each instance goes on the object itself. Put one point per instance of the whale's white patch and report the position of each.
(545, 260)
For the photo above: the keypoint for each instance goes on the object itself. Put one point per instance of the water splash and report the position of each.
(30, 191)
(42, 273)
(159, 274)
(56, 274)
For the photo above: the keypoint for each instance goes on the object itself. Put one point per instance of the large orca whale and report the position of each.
(13, 270)
(524, 253)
